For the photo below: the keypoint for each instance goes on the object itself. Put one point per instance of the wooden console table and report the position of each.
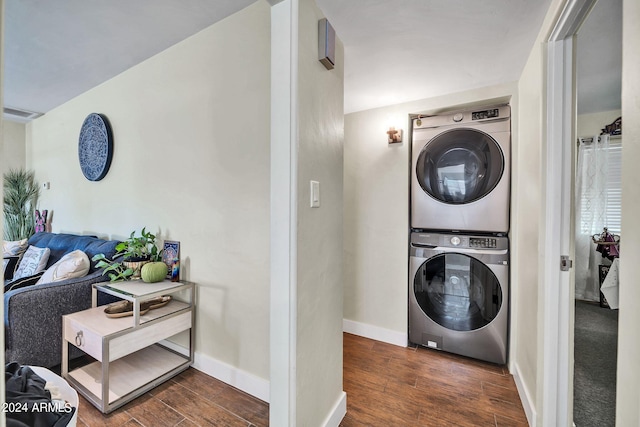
(130, 356)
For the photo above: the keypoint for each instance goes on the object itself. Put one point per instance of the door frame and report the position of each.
(555, 394)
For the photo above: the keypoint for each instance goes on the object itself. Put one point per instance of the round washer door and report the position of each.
(460, 166)
(457, 292)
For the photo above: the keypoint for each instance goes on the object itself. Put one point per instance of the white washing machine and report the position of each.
(459, 294)
(460, 179)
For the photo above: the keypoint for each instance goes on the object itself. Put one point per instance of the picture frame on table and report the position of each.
(171, 257)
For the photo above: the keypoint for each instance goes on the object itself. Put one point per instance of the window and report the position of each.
(600, 187)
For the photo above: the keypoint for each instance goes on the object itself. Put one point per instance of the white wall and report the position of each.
(319, 248)
(13, 151)
(376, 212)
(628, 382)
(306, 243)
(592, 124)
(527, 198)
(191, 161)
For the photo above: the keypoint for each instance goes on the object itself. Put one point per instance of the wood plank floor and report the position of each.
(386, 386)
(189, 399)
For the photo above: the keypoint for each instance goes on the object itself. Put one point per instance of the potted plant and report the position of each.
(135, 252)
(138, 250)
(21, 192)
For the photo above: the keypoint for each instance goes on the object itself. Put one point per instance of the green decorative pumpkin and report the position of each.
(154, 272)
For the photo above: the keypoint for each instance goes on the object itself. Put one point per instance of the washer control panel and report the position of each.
(441, 240)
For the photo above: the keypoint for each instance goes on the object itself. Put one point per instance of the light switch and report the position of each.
(315, 194)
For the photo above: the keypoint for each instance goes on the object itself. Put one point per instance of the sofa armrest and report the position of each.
(33, 318)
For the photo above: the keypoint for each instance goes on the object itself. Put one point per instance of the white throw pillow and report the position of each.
(72, 265)
(14, 248)
(33, 261)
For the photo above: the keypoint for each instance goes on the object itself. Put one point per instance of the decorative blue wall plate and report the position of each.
(95, 147)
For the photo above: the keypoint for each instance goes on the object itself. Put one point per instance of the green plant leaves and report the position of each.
(139, 247)
(135, 247)
(21, 193)
(115, 270)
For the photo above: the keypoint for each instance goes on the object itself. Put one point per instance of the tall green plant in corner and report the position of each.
(21, 193)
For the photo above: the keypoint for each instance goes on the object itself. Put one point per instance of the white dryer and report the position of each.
(460, 179)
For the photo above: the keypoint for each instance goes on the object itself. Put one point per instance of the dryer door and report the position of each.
(460, 166)
(457, 291)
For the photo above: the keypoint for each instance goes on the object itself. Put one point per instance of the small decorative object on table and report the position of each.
(41, 221)
(153, 272)
(171, 257)
(125, 308)
(175, 271)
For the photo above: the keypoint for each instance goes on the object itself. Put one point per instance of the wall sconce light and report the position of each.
(326, 44)
(395, 135)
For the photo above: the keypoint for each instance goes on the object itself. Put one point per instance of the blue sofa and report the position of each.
(33, 314)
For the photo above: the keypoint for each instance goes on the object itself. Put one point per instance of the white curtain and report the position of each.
(591, 203)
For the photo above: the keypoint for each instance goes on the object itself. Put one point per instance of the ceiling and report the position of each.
(395, 51)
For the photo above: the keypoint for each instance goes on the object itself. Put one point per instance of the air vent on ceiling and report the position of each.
(20, 115)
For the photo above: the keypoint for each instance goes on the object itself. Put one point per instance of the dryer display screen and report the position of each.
(484, 242)
(485, 114)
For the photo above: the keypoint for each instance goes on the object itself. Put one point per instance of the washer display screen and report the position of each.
(457, 291)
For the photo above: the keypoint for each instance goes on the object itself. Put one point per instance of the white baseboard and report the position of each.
(338, 412)
(525, 397)
(375, 332)
(249, 383)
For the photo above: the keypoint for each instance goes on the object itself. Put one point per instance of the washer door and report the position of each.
(457, 291)
(460, 166)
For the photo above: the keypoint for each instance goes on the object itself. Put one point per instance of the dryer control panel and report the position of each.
(485, 114)
(483, 242)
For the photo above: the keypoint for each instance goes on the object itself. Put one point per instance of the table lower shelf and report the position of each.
(128, 374)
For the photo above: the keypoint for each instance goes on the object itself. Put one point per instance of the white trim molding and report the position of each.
(337, 413)
(375, 332)
(284, 214)
(242, 380)
(525, 397)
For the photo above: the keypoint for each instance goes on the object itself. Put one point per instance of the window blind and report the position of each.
(613, 189)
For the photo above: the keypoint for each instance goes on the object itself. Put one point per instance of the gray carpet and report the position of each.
(595, 352)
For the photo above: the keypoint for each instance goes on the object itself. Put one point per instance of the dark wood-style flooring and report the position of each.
(189, 399)
(386, 386)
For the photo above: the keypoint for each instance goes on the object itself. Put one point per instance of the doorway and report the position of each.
(556, 383)
(597, 213)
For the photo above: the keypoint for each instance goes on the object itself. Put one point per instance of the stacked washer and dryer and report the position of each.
(459, 249)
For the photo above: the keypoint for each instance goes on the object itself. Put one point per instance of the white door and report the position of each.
(557, 381)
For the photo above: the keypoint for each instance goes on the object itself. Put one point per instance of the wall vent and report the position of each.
(19, 115)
